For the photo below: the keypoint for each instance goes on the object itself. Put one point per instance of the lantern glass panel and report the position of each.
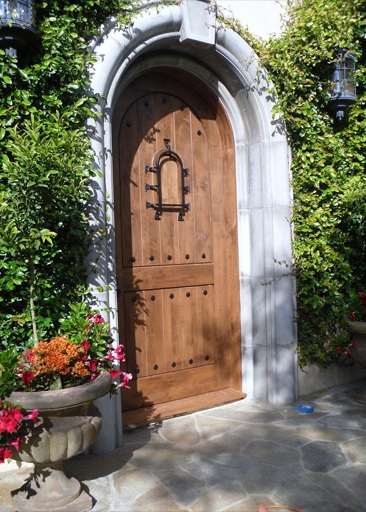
(18, 12)
(343, 79)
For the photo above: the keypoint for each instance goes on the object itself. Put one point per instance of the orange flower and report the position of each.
(55, 356)
(80, 370)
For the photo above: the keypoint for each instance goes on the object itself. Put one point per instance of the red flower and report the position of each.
(362, 297)
(16, 413)
(92, 365)
(8, 423)
(115, 373)
(16, 442)
(27, 377)
(352, 315)
(5, 453)
(29, 355)
(33, 416)
(85, 345)
(118, 354)
(339, 350)
(97, 319)
(9, 418)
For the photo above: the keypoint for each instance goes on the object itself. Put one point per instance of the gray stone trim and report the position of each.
(229, 67)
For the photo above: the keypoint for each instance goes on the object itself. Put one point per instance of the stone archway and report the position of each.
(171, 36)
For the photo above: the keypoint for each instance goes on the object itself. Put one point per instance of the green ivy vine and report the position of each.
(328, 167)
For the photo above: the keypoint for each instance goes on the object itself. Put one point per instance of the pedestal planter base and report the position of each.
(49, 489)
(69, 424)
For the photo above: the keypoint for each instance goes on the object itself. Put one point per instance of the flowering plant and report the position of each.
(75, 357)
(14, 426)
(82, 348)
(358, 307)
(357, 313)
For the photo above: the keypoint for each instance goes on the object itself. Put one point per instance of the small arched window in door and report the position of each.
(170, 187)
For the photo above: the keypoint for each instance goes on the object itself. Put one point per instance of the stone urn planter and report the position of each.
(69, 424)
(358, 332)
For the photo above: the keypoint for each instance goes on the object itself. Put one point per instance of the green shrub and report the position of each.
(46, 164)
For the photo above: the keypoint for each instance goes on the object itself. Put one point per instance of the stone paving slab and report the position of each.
(232, 459)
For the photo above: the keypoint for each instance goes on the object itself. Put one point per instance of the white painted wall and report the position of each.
(262, 17)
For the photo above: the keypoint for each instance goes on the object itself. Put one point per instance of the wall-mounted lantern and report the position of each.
(343, 86)
(17, 24)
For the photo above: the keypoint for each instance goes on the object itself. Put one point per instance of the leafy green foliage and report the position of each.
(328, 162)
(45, 103)
(329, 183)
(328, 168)
(46, 172)
(8, 364)
(83, 324)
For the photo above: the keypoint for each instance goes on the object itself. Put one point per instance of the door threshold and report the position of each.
(155, 413)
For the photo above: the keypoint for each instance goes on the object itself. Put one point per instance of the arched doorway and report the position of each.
(176, 245)
(227, 66)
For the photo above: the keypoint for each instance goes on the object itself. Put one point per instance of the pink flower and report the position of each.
(126, 378)
(33, 416)
(16, 413)
(97, 319)
(353, 344)
(347, 351)
(118, 354)
(85, 345)
(115, 373)
(16, 443)
(8, 424)
(9, 419)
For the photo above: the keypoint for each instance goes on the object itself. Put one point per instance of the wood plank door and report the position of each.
(176, 240)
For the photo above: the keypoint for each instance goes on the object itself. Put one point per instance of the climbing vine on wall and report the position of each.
(328, 167)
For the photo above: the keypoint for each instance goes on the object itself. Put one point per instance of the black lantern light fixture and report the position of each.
(17, 25)
(343, 83)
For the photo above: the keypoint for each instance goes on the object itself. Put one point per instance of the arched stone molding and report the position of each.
(226, 64)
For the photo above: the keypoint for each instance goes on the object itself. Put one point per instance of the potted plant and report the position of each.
(56, 354)
(49, 415)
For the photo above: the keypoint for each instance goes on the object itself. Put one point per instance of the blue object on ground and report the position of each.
(305, 408)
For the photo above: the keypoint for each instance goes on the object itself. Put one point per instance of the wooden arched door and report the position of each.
(176, 244)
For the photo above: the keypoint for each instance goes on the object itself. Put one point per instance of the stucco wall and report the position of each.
(262, 17)
(313, 378)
